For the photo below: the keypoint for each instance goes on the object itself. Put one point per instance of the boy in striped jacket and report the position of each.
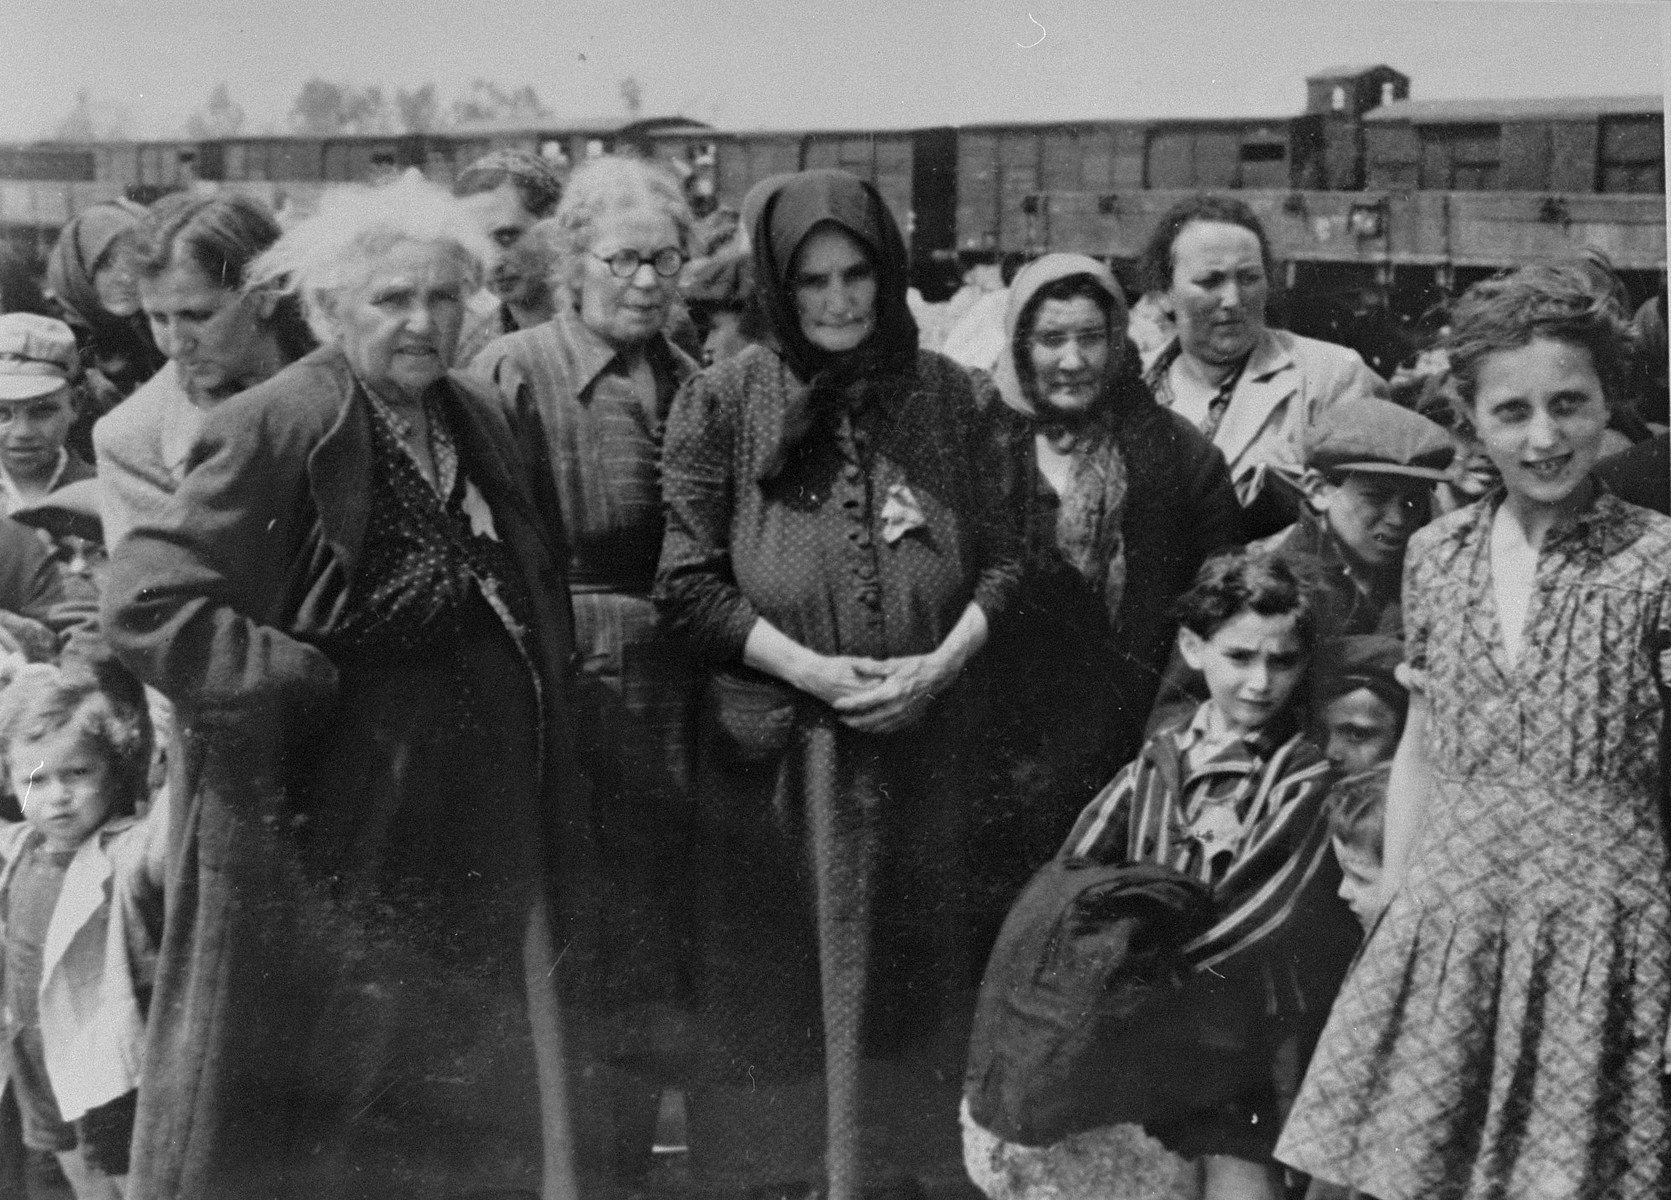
(1233, 794)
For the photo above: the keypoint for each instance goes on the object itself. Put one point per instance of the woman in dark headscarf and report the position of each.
(1120, 502)
(834, 551)
(96, 289)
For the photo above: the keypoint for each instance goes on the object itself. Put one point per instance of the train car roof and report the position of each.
(1351, 72)
(1556, 108)
(601, 126)
(1136, 122)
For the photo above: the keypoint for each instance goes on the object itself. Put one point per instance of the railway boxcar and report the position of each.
(1000, 166)
(1602, 144)
(1365, 178)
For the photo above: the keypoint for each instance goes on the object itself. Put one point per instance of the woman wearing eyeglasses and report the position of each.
(835, 550)
(592, 388)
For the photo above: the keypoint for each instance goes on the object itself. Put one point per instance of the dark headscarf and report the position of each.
(784, 210)
(120, 345)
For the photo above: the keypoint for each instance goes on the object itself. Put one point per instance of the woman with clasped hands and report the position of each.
(833, 552)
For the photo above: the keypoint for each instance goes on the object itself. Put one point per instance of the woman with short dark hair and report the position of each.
(1251, 389)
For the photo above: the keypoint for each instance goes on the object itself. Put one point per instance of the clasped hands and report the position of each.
(879, 695)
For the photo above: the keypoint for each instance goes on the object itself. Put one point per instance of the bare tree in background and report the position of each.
(487, 102)
(419, 110)
(93, 120)
(632, 95)
(220, 117)
(323, 108)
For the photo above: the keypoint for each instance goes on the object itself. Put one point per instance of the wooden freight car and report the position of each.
(915, 170)
(1610, 145)
(1370, 178)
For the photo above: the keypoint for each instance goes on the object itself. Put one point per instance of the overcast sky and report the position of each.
(808, 63)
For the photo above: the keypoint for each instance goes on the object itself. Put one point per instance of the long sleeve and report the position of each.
(1000, 519)
(181, 593)
(1100, 831)
(133, 489)
(1215, 515)
(696, 590)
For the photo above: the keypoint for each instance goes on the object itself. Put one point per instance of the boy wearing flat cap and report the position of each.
(37, 372)
(1370, 467)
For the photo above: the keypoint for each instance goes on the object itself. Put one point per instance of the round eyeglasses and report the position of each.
(624, 264)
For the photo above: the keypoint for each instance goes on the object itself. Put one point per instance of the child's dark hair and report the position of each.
(1264, 582)
(107, 706)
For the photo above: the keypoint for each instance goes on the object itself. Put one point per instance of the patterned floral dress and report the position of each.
(1502, 1034)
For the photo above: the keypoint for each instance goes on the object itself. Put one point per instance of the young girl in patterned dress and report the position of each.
(1502, 1034)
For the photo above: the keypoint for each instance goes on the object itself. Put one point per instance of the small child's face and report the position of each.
(32, 433)
(1373, 515)
(65, 783)
(1362, 730)
(1360, 876)
(1252, 663)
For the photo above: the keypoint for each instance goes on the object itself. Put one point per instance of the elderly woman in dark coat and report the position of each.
(833, 551)
(357, 608)
(1120, 501)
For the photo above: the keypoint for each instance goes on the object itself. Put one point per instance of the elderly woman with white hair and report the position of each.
(365, 629)
(591, 389)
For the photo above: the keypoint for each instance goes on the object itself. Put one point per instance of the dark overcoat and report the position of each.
(217, 605)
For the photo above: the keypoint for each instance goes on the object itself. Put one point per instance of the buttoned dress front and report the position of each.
(871, 539)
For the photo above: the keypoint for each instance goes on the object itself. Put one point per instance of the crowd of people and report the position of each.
(480, 664)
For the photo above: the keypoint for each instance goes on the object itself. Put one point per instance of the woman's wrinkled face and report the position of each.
(627, 312)
(1069, 352)
(115, 282)
(834, 283)
(1540, 413)
(1218, 290)
(399, 328)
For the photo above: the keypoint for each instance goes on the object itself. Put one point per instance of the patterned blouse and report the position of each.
(427, 553)
(1581, 707)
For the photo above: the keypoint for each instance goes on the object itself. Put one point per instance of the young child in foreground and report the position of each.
(80, 900)
(1234, 794)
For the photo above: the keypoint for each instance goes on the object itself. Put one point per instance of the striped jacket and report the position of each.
(1251, 822)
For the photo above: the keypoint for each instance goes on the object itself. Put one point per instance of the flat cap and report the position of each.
(37, 355)
(1380, 437)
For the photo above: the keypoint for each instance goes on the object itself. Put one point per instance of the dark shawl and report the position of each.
(785, 210)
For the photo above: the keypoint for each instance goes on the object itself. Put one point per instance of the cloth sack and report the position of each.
(1078, 1025)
